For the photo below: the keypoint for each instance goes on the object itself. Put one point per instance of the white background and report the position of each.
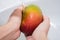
(50, 8)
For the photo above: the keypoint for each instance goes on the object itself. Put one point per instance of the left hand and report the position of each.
(11, 30)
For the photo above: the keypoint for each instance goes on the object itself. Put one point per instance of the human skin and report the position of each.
(41, 32)
(11, 30)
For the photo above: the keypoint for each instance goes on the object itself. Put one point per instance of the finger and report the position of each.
(42, 30)
(30, 38)
(15, 19)
(44, 26)
(16, 35)
(47, 22)
(12, 36)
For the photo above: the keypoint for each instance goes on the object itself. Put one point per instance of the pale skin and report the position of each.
(11, 30)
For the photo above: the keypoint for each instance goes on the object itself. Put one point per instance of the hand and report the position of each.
(41, 31)
(10, 31)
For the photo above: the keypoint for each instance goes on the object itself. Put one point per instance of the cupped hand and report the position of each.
(10, 31)
(41, 32)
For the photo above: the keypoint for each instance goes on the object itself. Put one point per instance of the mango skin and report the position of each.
(31, 18)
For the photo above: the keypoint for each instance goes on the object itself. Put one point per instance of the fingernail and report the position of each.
(21, 7)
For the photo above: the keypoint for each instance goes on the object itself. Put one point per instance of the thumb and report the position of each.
(43, 28)
(41, 31)
(15, 18)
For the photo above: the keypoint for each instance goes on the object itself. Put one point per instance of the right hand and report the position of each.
(41, 31)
